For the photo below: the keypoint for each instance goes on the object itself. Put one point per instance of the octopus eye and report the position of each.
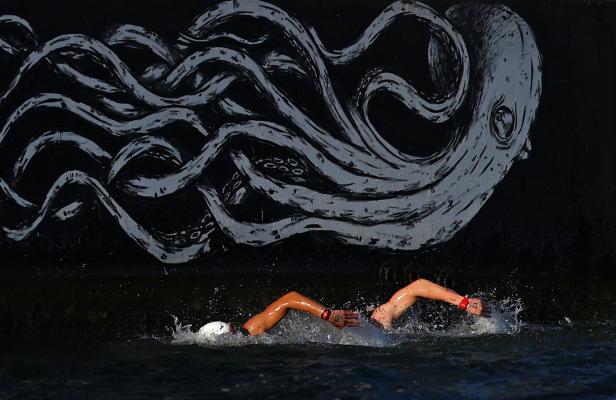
(502, 123)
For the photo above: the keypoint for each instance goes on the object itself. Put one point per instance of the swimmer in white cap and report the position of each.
(276, 311)
(383, 316)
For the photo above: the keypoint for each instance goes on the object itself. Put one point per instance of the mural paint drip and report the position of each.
(343, 178)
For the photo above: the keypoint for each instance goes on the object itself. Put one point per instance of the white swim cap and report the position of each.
(213, 329)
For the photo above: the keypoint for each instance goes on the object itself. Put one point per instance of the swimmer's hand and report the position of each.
(477, 307)
(342, 318)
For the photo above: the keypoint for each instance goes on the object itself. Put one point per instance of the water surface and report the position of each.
(306, 359)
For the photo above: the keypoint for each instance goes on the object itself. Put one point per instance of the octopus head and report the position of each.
(505, 79)
(507, 75)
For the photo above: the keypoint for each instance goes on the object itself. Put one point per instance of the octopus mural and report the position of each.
(154, 135)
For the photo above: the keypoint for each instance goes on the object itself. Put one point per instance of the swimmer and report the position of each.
(383, 316)
(276, 311)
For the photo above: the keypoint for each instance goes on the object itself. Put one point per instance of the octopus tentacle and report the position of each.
(153, 243)
(119, 68)
(24, 26)
(327, 205)
(138, 36)
(8, 193)
(299, 39)
(188, 39)
(345, 180)
(144, 146)
(391, 235)
(86, 145)
(143, 125)
(61, 214)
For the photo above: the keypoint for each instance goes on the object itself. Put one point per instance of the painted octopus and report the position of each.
(348, 181)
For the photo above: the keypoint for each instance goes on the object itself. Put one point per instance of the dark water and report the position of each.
(543, 361)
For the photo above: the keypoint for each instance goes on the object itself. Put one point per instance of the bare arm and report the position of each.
(404, 298)
(276, 311)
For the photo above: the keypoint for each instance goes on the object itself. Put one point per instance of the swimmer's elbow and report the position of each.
(292, 295)
(421, 283)
(287, 301)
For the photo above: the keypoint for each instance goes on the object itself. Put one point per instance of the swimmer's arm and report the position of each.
(404, 298)
(276, 311)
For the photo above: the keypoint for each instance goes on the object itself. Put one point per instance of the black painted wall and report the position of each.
(547, 234)
(551, 215)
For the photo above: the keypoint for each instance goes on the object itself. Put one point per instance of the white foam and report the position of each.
(299, 328)
(505, 319)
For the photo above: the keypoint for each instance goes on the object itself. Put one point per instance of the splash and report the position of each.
(298, 328)
(294, 329)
